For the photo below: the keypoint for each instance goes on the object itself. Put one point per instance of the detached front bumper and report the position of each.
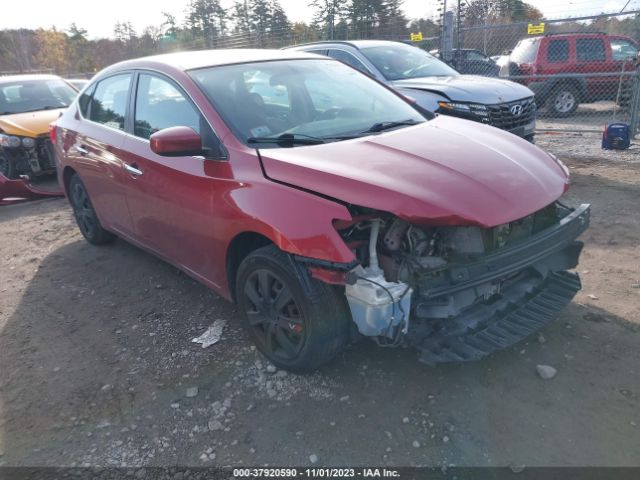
(500, 299)
(14, 191)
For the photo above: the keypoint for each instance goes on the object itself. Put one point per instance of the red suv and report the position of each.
(575, 63)
(323, 203)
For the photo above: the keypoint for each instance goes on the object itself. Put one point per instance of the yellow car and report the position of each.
(28, 104)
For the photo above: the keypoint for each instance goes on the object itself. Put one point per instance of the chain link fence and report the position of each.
(583, 71)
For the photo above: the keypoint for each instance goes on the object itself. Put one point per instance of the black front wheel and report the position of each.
(86, 217)
(297, 328)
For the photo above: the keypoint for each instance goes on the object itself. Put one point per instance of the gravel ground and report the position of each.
(98, 367)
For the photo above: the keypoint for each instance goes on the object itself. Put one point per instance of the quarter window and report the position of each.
(159, 105)
(590, 50)
(85, 100)
(109, 102)
(558, 51)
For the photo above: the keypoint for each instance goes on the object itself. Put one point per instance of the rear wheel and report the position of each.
(563, 101)
(86, 217)
(298, 328)
(7, 167)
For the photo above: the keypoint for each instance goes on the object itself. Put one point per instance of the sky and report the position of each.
(99, 16)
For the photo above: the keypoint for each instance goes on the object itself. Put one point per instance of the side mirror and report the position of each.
(176, 142)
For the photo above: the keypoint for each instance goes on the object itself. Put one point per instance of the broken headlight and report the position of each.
(10, 141)
(28, 142)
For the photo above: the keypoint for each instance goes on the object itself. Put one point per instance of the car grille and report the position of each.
(502, 115)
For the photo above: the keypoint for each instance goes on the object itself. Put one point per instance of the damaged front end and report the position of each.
(33, 157)
(458, 293)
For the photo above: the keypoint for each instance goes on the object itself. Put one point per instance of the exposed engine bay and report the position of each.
(460, 292)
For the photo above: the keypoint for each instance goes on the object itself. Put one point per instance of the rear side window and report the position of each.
(349, 59)
(159, 105)
(558, 51)
(590, 50)
(109, 102)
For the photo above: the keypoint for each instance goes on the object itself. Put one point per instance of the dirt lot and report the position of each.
(98, 368)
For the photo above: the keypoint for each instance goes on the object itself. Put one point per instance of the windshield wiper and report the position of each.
(380, 126)
(288, 140)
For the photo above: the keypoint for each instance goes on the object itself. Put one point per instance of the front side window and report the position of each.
(623, 50)
(322, 99)
(159, 105)
(349, 59)
(590, 50)
(35, 95)
(558, 51)
(400, 61)
(109, 102)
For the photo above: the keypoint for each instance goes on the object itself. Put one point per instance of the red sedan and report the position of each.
(323, 203)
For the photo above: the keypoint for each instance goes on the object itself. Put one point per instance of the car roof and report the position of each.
(27, 77)
(210, 58)
(354, 43)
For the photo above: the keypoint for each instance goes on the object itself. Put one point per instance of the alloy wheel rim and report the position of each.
(564, 101)
(82, 209)
(274, 315)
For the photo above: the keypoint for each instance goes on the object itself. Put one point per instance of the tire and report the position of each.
(86, 217)
(7, 167)
(563, 101)
(309, 326)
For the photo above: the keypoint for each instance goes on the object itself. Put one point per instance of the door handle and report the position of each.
(81, 150)
(132, 169)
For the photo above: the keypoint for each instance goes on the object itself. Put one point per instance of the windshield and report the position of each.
(316, 100)
(526, 51)
(33, 95)
(400, 61)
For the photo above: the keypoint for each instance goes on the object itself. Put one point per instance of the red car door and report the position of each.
(97, 150)
(171, 199)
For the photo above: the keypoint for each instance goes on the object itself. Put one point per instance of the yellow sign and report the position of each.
(416, 37)
(533, 29)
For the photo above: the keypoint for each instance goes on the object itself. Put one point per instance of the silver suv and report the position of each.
(435, 86)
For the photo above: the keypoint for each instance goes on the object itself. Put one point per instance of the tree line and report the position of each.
(251, 23)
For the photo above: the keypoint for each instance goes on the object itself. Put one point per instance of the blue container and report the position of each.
(616, 136)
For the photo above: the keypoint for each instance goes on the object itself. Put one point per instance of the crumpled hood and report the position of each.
(469, 88)
(446, 171)
(30, 124)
